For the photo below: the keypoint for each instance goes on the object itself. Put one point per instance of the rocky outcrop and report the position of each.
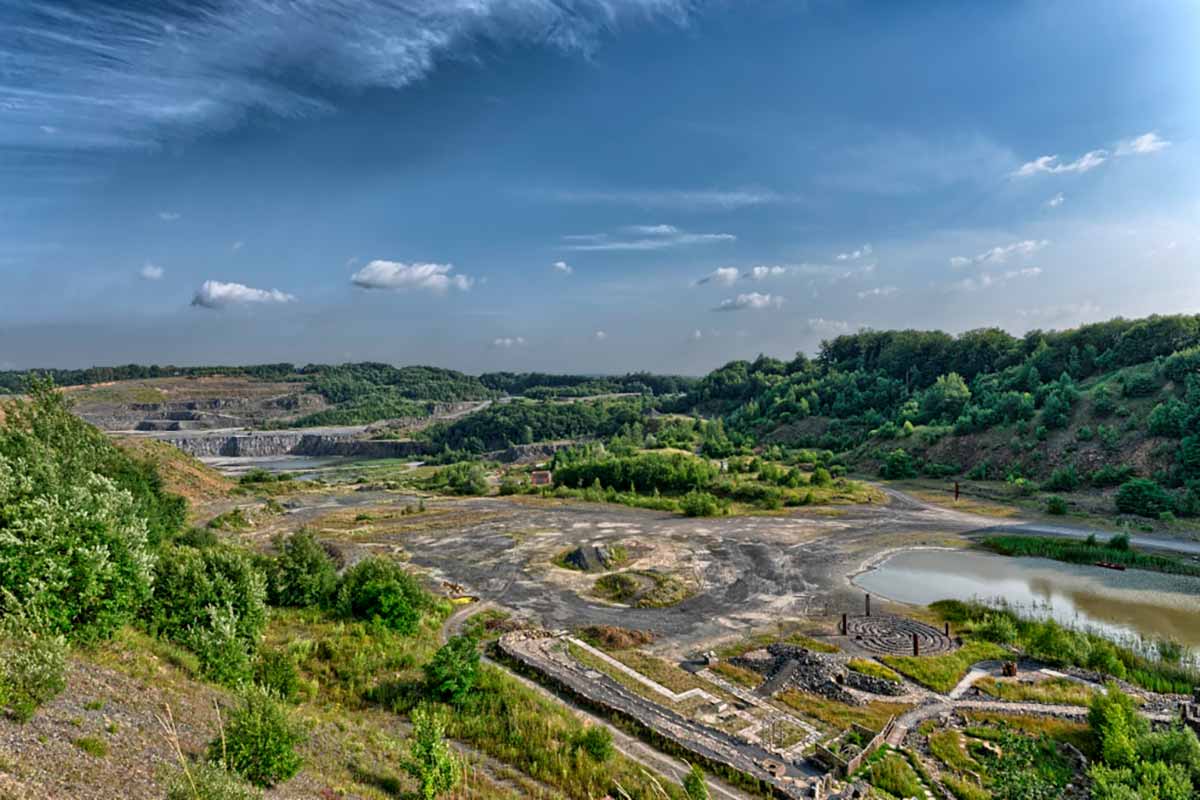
(259, 444)
(872, 684)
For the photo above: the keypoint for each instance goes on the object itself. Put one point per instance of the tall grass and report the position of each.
(1089, 552)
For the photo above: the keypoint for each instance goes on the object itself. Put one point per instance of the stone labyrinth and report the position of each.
(887, 634)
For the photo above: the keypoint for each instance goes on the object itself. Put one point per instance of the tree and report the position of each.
(302, 573)
(946, 399)
(452, 671)
(431, 761)
(380, 590)
(694, 784)
(1116, 724)
(259, 741)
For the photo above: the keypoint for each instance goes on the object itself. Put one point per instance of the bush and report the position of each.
(209, 782)
(1139, 384)
(999, 628)
(1056, 505)
(1111, 475)
(694, 785)
(302, 574)
(213, 601)
(597, 742)
(464, 477)
(699, 504)
(451, 672)
(1143, 497)
(275, 671)
(33, 664)
(432, 763)
(380, 590)
(897, 464)
(259, 741)
(1063, 479)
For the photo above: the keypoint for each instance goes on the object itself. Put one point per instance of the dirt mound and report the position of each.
(610, 637)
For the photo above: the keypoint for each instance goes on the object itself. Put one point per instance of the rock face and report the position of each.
(592, 558)
(296, 443)
(789, 665)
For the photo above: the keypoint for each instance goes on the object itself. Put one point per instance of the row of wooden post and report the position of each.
(916, 642)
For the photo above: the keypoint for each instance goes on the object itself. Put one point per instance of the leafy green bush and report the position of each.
(259, 740)
(380, 590)
(33, 664)
(998, 628)
(700, 504)
(1111, 475)
(694, 785)
(431, 761)
(897, 464)
(302, 574)
(209, 782)
(214, 602)
(465, 477)
(275, 671)
(1056, 505)
(1143, 497)
(451, 672)
(1063, 479)
(597, 742)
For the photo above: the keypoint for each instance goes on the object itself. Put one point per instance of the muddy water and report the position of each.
(1130, 604)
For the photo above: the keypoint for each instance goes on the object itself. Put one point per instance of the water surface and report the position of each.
(1129, 604)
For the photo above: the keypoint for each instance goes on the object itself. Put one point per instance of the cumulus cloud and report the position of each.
(878, 291)
(641, 237)
(722, 276)
(218, 294)
(1001, 253)
(151, 272)
(169, 216)
(508, 342)
(827, 326)
(563, 267)
(751, 301)
(1142, 145)
(762, 272)
(1056, 201)
(855, 255)
(237, 246)
(600, 336)
(993, 280)
(380, 274)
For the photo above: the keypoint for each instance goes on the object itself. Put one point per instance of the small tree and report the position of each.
(431, 762)
(303, 573)
(694, 784)
(33, 663)
(259, 742)
(452, 671)
(597, 742)
(377, 589)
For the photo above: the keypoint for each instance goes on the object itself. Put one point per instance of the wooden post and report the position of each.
(868, 605)
(947, 630)
(916, 646)
(845, 626)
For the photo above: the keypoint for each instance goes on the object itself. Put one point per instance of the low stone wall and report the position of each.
(870, 683)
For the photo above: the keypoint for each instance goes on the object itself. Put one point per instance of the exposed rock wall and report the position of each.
(260, 444)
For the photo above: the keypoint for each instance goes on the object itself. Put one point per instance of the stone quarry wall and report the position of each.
(261, 444)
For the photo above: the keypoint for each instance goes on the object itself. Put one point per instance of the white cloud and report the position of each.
(751, 301)
(1072, 312)
(722, 276)
(169, 216)
(1142, 145)
(827, 326)
(697, 335)
(763, 272)
(1001, 253)
(380, 274)
(563, 267)
(640, 238)
(151, 272)
(1056, 201)
(508, 342)
(217, 294)
(1051, 165)
(48, 129)
(237, 246)
(600, 336)
(878, 291)
(855, 255)
(990, 281)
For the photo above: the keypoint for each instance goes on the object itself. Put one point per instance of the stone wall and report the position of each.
(259, 444)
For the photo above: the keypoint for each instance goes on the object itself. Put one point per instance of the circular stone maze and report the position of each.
(888, 634)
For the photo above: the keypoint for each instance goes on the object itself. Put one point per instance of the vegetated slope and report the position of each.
(181, 474)
(1097, 405)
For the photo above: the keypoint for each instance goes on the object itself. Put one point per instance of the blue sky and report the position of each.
(583, 185)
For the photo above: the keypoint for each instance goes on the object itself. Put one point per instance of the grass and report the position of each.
(759, 641)
(92, 745)
(892, 773)
(1059, 691)
(1062, 730)
(873, 668)
(836, 716)
(1089, 552)
(739, 675)
(630, 588)
(964, 789)
(943, 672)
(949, 748)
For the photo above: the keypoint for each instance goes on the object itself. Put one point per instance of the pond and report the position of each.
(303, 467)
(1125, 605)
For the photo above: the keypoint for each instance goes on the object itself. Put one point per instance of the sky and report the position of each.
(594, 186)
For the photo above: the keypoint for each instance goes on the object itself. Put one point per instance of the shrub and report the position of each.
(1142, 383)
(597, 742)
(1056, 505)
(451, 672)
(380, 590)
(431, 762)
(897, 464)
(259, 740)
(1085, 434)
(209, 782)
(275, 671)
(699, 504)
(1143, 497)
(1063, 479)
(821, 477)
(33, 663)
(694, 785)
(464, 477)
(1111, 475)
(998, 628)
(302, 574)
(213, 601)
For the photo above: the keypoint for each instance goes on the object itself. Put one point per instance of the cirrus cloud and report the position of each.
(218, 294)
(398, 275)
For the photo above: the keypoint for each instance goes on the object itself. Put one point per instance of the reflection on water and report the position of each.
(1134, 603)
(303, 466)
